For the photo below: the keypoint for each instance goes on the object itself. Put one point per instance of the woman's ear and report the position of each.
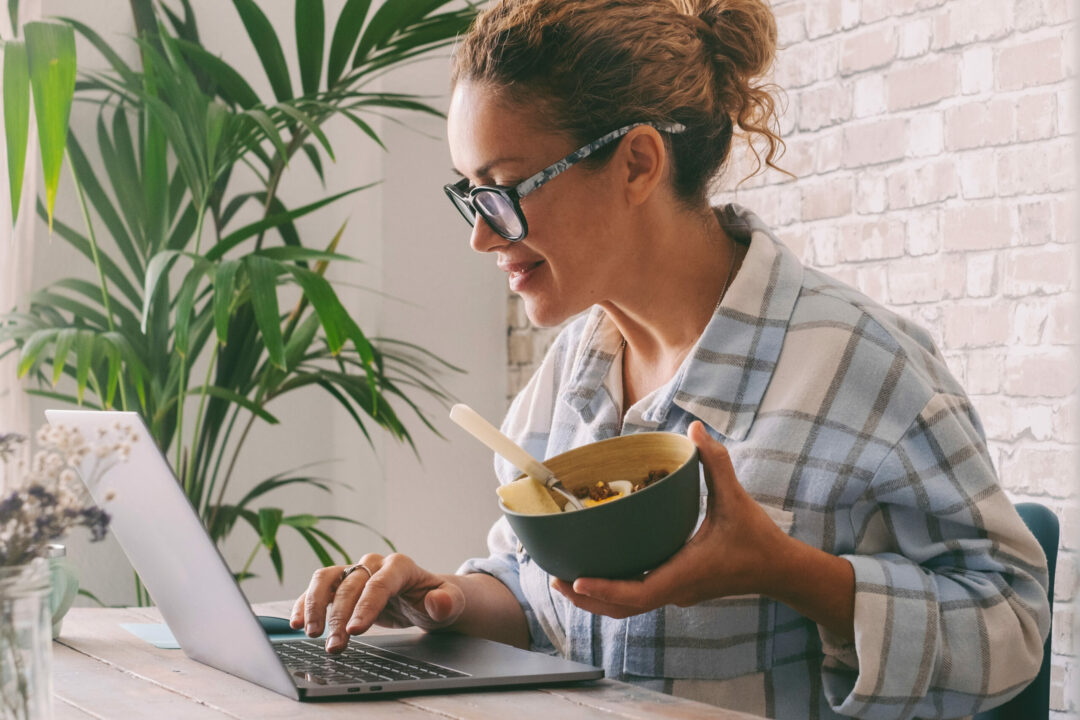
(643, 156)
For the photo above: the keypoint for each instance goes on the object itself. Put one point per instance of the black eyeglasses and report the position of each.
(501, 206)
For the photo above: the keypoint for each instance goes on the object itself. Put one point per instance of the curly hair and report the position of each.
(590, 66)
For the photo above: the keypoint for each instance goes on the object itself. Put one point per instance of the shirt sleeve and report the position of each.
(951, 607)
(502, 564)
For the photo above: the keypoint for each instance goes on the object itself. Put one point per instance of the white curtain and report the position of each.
(16, 250)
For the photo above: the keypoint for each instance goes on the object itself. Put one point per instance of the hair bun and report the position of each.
(742, 32)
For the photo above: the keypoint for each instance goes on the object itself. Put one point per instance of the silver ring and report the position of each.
(358, 566)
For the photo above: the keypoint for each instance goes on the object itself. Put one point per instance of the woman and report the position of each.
(857, 555)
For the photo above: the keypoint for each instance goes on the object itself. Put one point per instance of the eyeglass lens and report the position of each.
(498, 211)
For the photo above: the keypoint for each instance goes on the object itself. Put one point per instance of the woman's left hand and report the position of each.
(730, 554)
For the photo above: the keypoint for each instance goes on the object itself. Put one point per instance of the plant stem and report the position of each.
(199, 418)
(181, 391)
(251, 558)
(97, 264)
(93, 243)
(232, 464)
(275, 177)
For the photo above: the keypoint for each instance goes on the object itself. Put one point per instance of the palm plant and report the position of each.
(182, 282)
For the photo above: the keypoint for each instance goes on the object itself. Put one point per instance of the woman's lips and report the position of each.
(521, 273)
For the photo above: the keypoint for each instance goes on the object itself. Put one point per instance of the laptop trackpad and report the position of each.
(463, 652)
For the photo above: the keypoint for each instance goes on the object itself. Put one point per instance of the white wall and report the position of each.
(415, 247)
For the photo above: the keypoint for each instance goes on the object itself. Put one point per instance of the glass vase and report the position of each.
(25, 642)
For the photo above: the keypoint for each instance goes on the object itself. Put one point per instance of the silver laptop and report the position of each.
(202, 604)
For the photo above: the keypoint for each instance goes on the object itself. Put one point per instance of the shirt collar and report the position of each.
(725, 376)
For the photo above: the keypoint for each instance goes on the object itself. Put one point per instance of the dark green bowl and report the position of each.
(625, 537)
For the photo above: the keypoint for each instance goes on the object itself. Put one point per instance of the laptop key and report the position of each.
(356, 664)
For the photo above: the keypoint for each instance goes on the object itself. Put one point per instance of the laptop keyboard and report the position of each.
(309, 660)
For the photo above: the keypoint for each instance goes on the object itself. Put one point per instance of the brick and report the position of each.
(1043, 372)
(1044, 270)
(1030, 14)
(520, 348)
(1066, 110)
(968, 21)
(1065, 220)
(875, 142)
(827, 199)
(823, 245)
(516, 312)
(1032, 63)
(979, 124)
(1029, 319)
(924, 83)
(979, 226)
(914, 38)
(985, 367)
(869, 96)
(807, 63)
(923, 184)
(789, 205)
(823, 17)
(823, 106)
(995, 412)
(1065, 421)
(1036, 116)
(800, 156)
(922, 234)
(1039, 471)
(982, 274)
(871, 193)
(1033, 420)
(926, 134)
(871, 240)
(1061, 322)
(795, 240)
(1062, 642)
(974, 325)
(1065, 580)
(867, 49)
(1057, 687)
(830, 151)
(1040, 167)
(1035, 222)
(790, 23)
(874, 10)
(1070, 527)
(873, 281)
(925, 279)
(977, 70)
(978, 174)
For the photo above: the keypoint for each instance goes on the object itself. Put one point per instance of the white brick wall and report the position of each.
(933, 140)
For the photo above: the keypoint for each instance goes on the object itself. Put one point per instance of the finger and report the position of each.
(345, 598)
(646, 594)
(296, 620)
(385, 583)
(719, 472)
(596, 607)
(319, 594)
(445, 604)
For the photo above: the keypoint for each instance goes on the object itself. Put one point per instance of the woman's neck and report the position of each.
(672, 282)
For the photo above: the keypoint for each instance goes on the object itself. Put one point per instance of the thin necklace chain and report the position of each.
(723, 289)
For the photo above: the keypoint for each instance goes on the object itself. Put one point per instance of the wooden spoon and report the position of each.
(485, 432)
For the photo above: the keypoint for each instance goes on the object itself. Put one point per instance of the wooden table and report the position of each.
(104, 672)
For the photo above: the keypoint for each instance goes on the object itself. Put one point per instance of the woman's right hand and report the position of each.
(398, 593)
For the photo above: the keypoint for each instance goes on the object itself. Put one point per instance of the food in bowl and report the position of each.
(529, 497)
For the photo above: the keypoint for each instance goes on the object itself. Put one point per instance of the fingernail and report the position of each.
(310, 629)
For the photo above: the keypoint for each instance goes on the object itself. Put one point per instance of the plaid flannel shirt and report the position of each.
(844, 423)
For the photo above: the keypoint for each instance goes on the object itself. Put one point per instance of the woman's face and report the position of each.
(569, 257)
